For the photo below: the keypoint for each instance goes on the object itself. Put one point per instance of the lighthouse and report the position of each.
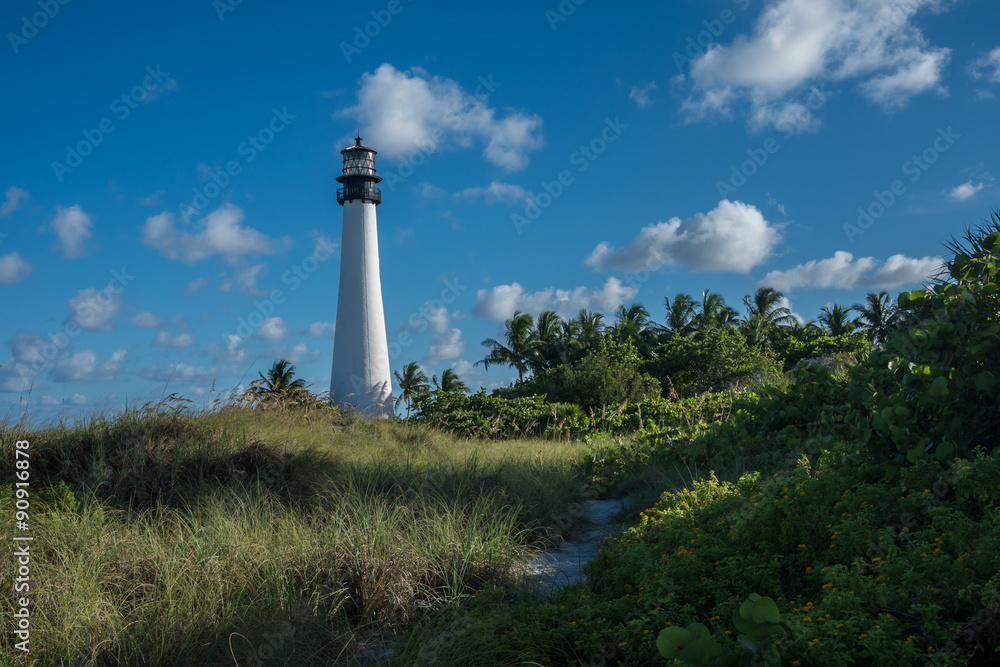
(360, 375)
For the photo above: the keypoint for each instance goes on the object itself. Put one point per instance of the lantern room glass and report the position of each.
(359, 163)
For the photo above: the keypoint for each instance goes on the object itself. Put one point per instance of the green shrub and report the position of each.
(713, 360)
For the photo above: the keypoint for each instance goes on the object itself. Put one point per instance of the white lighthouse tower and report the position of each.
(360, 375)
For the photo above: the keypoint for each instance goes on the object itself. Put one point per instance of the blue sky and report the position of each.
(168, 171)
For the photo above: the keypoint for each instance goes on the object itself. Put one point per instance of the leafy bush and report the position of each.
(711, 360)
(795, 348)
(608, 376)
(932, 392)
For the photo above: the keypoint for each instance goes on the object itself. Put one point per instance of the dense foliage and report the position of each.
(865, 504)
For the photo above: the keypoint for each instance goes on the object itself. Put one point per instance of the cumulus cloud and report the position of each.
(465, 369)
(221, 232)
(54, 401)
(497, 192)
(731, 237)
(447, 341)
(35, 355)
(295, 353)
(641, 95)
(408, 111)
(94, 309)
(86, 367)
(318, 330)
(73, 227)
(166, 339)
(243, 280)
(180, 372)
(14, 269)
(430, 191)
(987, 67)
(966, 190)
(12, 200)
(146, 320)
(845, 272)
(273, 328)
(795, 44)
(500, 302)
(233, 352)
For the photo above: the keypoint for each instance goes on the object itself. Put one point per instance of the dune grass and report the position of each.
(257, 537)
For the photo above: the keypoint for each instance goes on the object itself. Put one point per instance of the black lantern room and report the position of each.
(359, 176)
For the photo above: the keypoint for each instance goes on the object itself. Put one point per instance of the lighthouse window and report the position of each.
(359, 163)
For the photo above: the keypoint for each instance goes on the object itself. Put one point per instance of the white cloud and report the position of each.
(798, 43)
(966, 190)
(641, 95)
(244, 280)
(464, 369)
(180, 372)
(295, 353)
(233, 352)
(731, 237)
(221, 232)
(448, 345)
(497, 192)
(447, 341)
(408, 111)
(94, 309)
(987, 67)
(146, 320)
(166, 339)
(55, 401)
(34, 355)
(318, 330)
(430, 191)
(845, 272)
(73, 226)
(500, 302)
(13, 199)
(273, 328)
(86, 367)
(14, 269)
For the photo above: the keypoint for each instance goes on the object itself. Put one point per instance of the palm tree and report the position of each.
(279, 379)
(836, 319)
(877, 315)
(765, 315)
(412, 383)
(450, 382)
(546, 335)
(680, 314)
(714, 313)
(568, 341)
(591, 327)
(519, 336)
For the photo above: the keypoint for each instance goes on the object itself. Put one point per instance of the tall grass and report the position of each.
(241, 536)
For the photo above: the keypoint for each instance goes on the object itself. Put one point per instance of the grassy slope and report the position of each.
(266, 538)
